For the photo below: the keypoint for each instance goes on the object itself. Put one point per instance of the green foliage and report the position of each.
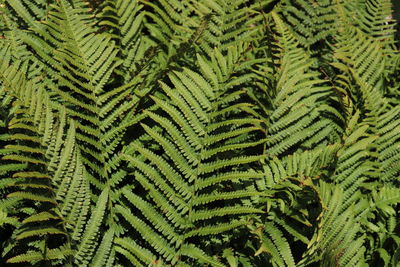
(199, 133)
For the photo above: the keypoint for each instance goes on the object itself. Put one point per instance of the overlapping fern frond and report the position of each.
(189, 136)
(310, 21)
(45, 175)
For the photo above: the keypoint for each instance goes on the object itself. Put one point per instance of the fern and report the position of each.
(199, 133)
(179, 204)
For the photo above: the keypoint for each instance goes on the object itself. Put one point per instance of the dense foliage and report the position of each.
(199, 133)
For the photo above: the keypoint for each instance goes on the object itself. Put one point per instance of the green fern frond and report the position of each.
(88, 242)
(34, 256)
(104, 255)
(338, 243)
(196, 253)
(310, 21)
(192, 109)
(131, 246)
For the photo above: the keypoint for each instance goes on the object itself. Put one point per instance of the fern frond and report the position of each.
(34, 256)
(131, 246)
(336, 242)
(176, 177)
(310, 21)
(104, 253)
(292, 122)
(88, 243)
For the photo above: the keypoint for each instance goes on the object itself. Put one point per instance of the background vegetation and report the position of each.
(199, 133)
